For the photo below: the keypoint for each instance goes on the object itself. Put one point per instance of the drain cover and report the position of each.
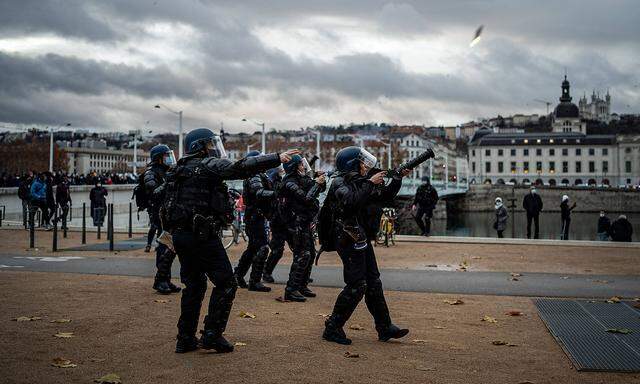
(596, 335)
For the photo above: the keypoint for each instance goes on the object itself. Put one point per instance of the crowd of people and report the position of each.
(618, 230)
(14, 180)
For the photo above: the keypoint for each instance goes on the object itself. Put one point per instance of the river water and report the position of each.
(480, 224)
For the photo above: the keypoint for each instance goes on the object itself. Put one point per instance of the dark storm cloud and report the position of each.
(66, 18)
(21, 75)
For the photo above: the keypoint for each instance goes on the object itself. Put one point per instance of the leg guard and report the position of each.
(346, 303)
(244, 263)
(164, 260)
(377, 305)
(220, 307)
(257, 266)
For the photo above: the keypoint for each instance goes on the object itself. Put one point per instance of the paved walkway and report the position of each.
(484, 283)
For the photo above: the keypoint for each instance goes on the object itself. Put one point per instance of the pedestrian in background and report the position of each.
(532, 204)
(24, 193)
(604, 226)
(501, 217)
(38, 194)
(621, 229)
(565, 215)
(424, 204)
(63, 199)
(98, 198)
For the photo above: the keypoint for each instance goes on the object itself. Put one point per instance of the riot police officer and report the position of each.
(196, 205)
(162, 158)
(348, 222)
(258, 196)
(277, 225)
(299, 197)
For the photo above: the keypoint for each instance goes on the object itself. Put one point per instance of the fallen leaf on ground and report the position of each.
(514, 279)
(513, 274)
(239, 344)
(564, 277)
(161, 301)
(246, 315)
(501, 342)
(27, 318)
(422, 368)
(111, 378)
(624, 331)
(61, 321)
(64, 335)
(636, 305)
(601, 281)
(515, 313)
(439, 327)
(63, 363)
(614, 300)
(351, 355)
(489, 319)
(323, 314)
(97, 360)
(276, 313)
(282, 299)
(637, 299)
(526, 382)
(419, 341)
(432, 266)
(454, 302)
(476, 257)
(356, 327)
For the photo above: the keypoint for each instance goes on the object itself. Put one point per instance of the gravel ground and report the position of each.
(118, 327)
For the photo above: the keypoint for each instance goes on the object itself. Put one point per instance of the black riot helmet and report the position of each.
(348, 159)
(199, 139)
(163, 153)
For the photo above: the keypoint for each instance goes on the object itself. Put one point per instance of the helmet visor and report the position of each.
(217, 149)
(367, 158)
(306, 167)
(169, 158)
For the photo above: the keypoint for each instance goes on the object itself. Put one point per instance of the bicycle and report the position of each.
(387, 230)
(232, 232)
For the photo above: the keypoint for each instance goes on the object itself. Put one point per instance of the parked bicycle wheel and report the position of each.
(227, 235)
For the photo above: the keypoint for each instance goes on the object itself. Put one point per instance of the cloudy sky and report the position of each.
(105, 64)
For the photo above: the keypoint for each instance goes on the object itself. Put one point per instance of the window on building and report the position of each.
(473, 166)
(627, 166)
(578, 151)
(592, 166)
(565, 152)
(627, 150)
(552, 152)
(538, 151)
(538, 166)
(487, 152)
(565, 167)
(578, 166)
(473, 152)
(605, 151)
(513, 167)
(605, 166)
(526, 152)
(487, 167)
(513, 152)
(552, 167)
(500, 152)
(500, 167)
(525, 167)
(592, 151)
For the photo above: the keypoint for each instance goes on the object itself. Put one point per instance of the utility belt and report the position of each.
(354, 232)
(204, 227)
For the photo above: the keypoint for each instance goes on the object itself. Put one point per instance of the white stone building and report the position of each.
(598, 109)
(84, 160)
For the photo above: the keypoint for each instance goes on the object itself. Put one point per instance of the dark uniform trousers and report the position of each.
(362, 278)
(300, 238)
(257, 250)
(423, 218)
(199, 260)
(278, 238)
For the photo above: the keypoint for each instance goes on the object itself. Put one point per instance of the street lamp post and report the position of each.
(264, 137)
(179, 113)
(51, 145)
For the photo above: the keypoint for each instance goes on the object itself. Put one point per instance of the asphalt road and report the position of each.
(482, 283)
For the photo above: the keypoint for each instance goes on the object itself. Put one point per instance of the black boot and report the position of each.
(391, 332)
(162, 287)
(294, 295)
(335, 333)
(306, 292)
(214, 340)
(268, 278)
(186, 344)
(174, 288)
(258, 287)
(241, 281)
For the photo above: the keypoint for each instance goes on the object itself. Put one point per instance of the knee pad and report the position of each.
(358, 289)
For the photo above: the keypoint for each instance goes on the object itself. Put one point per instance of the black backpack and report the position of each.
(140, 194)
(24, 190)
(326, 223)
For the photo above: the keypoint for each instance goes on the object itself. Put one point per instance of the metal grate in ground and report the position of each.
(580, 327)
